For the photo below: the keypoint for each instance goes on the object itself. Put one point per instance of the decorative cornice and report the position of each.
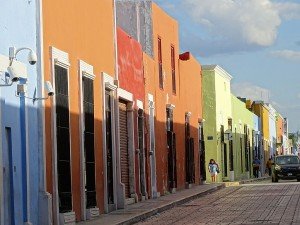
(86, 69)
(60, 58)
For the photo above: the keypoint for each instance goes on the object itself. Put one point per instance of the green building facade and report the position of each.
(244, 138)
(217, 113)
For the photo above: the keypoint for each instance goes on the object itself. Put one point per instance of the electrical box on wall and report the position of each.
(21, 88)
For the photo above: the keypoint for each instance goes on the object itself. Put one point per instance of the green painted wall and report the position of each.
(241, 117)
(216, 112)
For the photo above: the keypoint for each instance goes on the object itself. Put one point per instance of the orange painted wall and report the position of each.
(166, 28)
(85, 32)
(190, 101)
(279, 133)
(279, 128)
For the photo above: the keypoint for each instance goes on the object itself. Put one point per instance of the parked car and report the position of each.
(286, 167)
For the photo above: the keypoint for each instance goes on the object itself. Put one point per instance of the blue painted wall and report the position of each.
(18, 28)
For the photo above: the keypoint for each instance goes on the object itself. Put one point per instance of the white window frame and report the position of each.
(59, 58)
(85, 70)
(108, 84)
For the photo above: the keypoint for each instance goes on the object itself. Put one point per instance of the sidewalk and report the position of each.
(141, 210)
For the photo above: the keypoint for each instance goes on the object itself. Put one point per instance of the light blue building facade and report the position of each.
(21, 144)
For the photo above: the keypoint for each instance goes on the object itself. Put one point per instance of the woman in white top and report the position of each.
(213, 169)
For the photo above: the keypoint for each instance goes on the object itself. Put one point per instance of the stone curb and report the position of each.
(254, 180)
(170, 205)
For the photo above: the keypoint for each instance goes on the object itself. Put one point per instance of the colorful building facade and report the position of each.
(190, 86)
(279, 134)
(131, 100)
(217, 112)
(130, 119)
(262, 110)
(245, 142)
(21, 191)
(272, 130)
(80, 129)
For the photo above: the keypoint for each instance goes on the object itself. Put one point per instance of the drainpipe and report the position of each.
(119, 200)
(25, 156)
(116, 44)
(44, 199)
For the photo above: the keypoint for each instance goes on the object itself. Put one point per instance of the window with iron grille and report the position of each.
(109, 146)
(173, 69)
(63, 139)
(88, 114)
(160, 68)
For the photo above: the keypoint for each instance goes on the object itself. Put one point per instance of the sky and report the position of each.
(255, 41)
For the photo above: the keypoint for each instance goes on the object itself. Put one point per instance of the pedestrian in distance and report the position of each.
(213, 168)
(269, 166)
(256, 166)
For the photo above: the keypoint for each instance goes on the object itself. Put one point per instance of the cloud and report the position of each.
(287, 54)
(226, 26)
(288, 10)
(251, 91)
(298, 95)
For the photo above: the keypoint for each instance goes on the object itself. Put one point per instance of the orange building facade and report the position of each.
(125, 121)
(190, 107)
(279, 133)
(79, 56)
(170, 83)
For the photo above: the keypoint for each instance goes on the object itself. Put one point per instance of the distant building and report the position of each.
(246, 140)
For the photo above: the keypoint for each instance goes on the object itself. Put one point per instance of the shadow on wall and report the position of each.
(20, 160)
(100, 164)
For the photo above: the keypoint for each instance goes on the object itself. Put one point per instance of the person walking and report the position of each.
(256, 165)
(213, 168)
(269, 166)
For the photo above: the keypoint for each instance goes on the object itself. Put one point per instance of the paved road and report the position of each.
(261, 203)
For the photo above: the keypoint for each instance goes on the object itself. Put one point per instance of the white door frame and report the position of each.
(85, 70)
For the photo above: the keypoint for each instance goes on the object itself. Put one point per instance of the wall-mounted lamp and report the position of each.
(48, 88)
(32, 58)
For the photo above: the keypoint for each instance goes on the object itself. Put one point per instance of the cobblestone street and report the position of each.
(247, 204)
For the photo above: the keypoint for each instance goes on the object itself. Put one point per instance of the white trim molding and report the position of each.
(108, 82)
(139, 104)
(86, 70)
(60, 58)
(108, 85)
(125, 95)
